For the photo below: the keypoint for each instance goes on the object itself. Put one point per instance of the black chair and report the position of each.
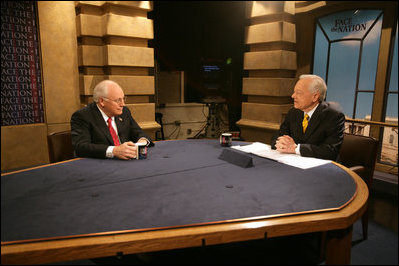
(60, 146)
(359, 153)
(158, 118)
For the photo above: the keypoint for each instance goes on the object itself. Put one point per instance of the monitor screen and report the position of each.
(212, 77)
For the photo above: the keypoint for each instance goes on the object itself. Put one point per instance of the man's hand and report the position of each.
(285, 144)
(125, 151)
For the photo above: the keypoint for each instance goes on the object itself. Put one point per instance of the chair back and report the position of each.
(360, 152)
(60, 146)
(158, 118)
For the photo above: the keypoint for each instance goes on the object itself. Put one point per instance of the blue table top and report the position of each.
(181, 183)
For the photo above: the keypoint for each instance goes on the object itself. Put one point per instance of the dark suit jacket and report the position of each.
(323, 136)
(90, 133)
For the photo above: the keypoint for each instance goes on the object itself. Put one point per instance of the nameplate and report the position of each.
(237, 158)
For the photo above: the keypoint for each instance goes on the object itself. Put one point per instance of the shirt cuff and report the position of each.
(297, 149)
(108, 152)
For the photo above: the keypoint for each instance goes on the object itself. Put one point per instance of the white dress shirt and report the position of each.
(110, 149)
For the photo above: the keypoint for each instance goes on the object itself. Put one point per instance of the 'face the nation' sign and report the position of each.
(21, 88)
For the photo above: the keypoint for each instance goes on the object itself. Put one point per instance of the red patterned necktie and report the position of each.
(113, 133)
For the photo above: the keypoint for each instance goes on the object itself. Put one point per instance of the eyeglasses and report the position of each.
(118, 101)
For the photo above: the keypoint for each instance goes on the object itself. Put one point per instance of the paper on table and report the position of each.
(265, 151)
(302, 162)
(256, 146)
(260, 149)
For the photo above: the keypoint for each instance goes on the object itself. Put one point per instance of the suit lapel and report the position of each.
(313, 122)
(99, 120)
(119, 121)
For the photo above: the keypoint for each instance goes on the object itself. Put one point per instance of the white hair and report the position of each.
(101, 89)
(317, 85)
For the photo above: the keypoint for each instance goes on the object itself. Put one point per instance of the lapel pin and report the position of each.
(120, 119)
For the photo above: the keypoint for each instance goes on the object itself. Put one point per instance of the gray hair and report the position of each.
(317, 85)
(101, 89)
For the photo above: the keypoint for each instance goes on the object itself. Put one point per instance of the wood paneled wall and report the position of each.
(26, 145)
(82, 43)
(112, 41)
(271, 64)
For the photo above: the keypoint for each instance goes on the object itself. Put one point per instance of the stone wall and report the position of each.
(270, 64)
(112, 39)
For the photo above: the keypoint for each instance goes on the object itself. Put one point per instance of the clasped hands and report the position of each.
(285, 144)
(127, 150)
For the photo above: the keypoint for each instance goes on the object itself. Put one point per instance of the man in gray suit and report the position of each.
(106, 128)
(313, 127)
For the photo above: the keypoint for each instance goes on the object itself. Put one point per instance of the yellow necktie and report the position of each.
(305, 122)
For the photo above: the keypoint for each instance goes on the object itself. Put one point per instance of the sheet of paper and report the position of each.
(302, 162)
(265, 151)
(256, 146)
(260, 149)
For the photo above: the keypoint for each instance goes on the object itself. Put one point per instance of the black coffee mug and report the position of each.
(225, 139)
(141, 152)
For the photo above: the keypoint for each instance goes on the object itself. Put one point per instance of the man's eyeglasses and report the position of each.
(118, 101)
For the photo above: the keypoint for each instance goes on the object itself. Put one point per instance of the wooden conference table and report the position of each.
(181, 196)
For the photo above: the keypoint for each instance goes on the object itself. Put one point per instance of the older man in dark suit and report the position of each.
(106, 128)
(313, 127)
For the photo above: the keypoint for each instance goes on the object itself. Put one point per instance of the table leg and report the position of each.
(339, 244)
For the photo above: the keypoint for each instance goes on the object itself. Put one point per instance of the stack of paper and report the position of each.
(265, 151)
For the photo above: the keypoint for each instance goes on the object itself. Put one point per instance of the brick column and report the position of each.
(270, 64)
(113, 44)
